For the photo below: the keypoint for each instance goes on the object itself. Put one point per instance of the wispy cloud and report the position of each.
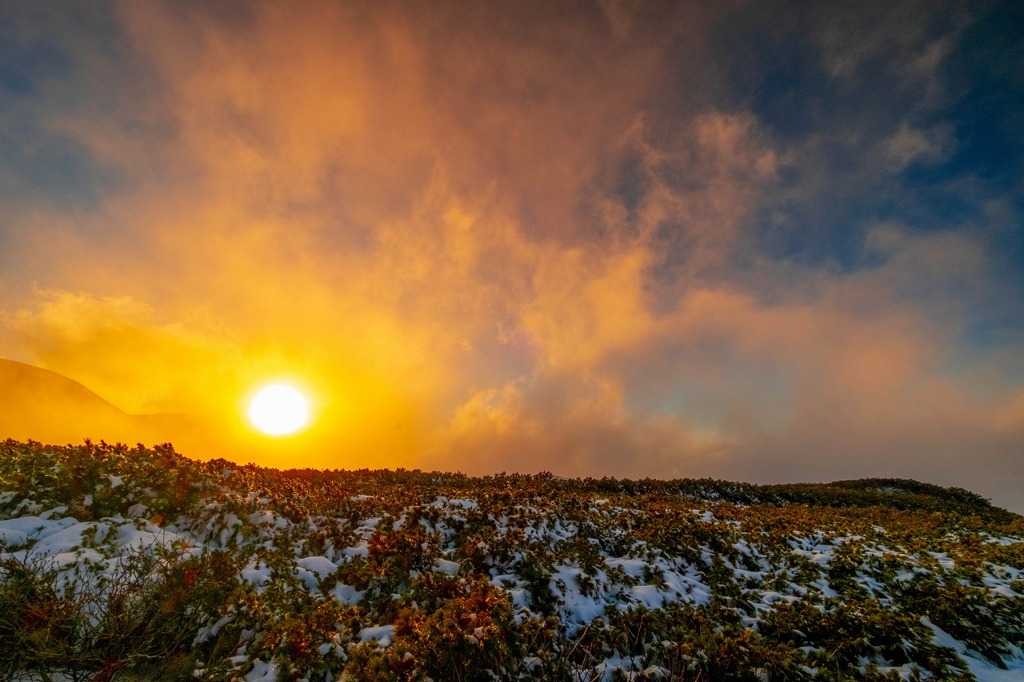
(601, 239)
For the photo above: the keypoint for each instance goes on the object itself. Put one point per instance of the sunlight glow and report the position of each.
(278, 410)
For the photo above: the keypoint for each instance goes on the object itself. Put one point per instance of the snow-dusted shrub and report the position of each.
(106, 620)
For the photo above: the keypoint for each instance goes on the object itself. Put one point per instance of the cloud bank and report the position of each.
(629, 239)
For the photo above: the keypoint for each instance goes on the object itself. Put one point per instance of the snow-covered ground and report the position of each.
(628, 581)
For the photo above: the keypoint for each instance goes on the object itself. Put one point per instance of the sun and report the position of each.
(278, 410)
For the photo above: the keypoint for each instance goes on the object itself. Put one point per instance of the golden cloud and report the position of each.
(468, 234)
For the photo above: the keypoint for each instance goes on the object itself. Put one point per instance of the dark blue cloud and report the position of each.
(23, 67)
(836, 91)
(40, 165)
(832, 90)
(41, 47)
(986, 73)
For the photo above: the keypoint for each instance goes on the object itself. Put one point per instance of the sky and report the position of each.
(760, 241)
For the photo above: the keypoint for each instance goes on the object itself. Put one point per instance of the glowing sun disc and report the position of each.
(278, 410)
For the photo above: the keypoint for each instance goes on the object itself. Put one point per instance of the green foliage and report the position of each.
(407, 575)
(140, 618)
(987, 623)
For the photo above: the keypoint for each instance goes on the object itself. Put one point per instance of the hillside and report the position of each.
(140, 563)
(32, 395)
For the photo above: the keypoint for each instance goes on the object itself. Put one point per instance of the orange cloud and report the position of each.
(472, 236)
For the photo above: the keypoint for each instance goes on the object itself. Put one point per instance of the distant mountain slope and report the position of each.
(43, 405)
(29, 384)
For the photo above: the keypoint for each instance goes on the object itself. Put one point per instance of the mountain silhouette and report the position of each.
(47, 407)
